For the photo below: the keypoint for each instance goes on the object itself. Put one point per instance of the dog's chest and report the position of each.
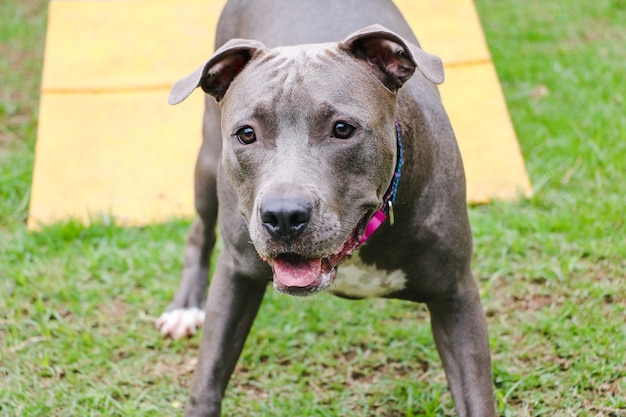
(359, 280)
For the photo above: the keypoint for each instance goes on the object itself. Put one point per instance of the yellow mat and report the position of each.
(108, 143)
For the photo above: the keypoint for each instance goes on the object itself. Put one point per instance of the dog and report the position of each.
(334, 166)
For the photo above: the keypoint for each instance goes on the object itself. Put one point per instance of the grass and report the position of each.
(77, 303)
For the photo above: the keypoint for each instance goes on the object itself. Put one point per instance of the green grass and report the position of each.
(77, 303)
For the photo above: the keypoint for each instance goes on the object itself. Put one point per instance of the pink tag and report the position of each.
(377, 219)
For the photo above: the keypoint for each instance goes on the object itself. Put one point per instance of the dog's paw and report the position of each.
(179, 323)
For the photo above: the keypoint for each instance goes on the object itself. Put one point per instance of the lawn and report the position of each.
(77, 303)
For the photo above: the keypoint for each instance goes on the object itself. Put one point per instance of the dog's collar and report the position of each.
(390, 196)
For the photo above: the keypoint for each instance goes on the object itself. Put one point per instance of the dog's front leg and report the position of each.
(185, 313)
(460, 332)
(232, 304)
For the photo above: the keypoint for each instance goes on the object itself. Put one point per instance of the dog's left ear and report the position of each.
(392, 58)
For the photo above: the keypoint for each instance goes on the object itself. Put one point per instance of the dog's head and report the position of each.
(309, 142)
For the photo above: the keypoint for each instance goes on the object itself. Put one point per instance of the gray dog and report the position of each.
(334, 167)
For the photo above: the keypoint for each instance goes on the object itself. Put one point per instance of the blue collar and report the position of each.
(390, 196)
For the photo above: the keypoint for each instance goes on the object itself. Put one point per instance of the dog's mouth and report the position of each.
(295, 274)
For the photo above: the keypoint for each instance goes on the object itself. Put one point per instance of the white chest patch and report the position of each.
(356, 279)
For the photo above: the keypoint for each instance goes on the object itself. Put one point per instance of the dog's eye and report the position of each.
(343, 130)
(246, 135)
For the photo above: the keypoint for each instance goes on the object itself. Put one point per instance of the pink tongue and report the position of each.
(296, 271)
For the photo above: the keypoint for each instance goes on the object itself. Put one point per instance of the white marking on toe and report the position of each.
(356, 279)
(179, 323)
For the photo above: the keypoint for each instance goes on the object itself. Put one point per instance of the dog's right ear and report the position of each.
(391, 57)
(218, 72)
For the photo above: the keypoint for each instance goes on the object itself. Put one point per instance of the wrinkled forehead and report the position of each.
(298, 79)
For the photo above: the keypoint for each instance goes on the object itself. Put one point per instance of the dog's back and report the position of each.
(306, 21)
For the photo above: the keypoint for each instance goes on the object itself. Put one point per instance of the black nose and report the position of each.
(285, 218)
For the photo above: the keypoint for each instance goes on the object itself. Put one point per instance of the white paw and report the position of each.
(179, 323)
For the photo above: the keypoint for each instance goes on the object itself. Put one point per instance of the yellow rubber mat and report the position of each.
(109, 144)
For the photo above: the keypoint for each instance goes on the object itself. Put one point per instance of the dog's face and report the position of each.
(309, 145)
(309, 142)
